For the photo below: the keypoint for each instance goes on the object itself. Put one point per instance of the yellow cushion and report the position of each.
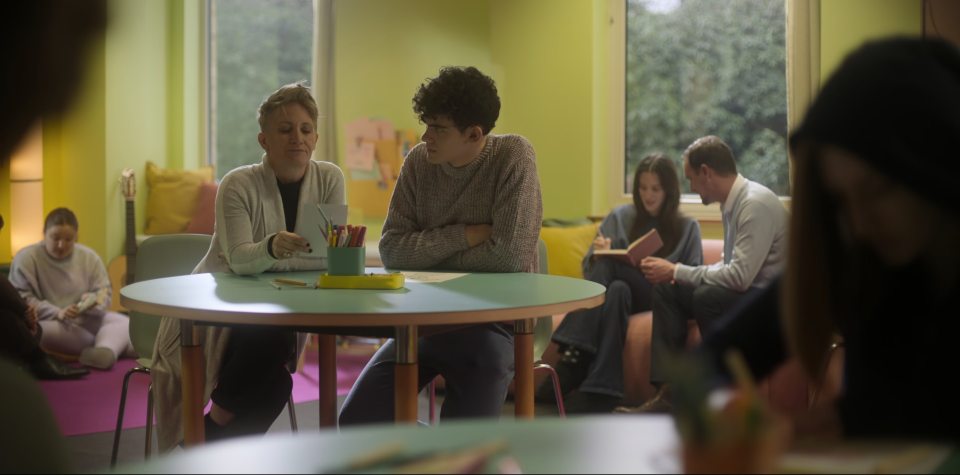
(172, 197)
(566, 247)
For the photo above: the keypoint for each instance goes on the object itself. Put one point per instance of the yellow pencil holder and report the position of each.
(346, 260)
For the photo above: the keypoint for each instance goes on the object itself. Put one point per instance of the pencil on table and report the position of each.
(298, 283)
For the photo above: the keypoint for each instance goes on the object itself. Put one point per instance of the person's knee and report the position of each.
(354, 413)
(619, 291)
(489, 366)
(663, 292)
(711, 296)
(664, 299)
(601, 268)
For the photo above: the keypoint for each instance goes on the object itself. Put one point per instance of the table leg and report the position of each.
(523, 361)
(327, 347)
(192, 382)
(406, 375)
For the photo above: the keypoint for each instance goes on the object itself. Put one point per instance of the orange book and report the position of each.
(644, 246)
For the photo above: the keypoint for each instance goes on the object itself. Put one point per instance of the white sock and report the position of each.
(98, 357)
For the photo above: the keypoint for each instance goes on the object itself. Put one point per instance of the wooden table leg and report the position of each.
(523, 361)
(327, 347)
(192, 382)
(406, 376)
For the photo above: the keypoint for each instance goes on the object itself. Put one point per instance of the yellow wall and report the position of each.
(846, 24)
(544, 49)
(384, 50)
(73, 158)
(136, 103)
(142, 100)
(546, 96)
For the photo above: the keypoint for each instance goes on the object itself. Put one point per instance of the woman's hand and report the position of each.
(601, 242)
(287, 245)
(68, 313)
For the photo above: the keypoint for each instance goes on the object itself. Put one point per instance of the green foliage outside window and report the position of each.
(708, 67)
(257, 46)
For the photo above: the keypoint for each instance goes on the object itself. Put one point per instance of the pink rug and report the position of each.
(90, 404)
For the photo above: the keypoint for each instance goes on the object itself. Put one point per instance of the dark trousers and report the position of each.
(602, 330)
(476, 363)
(255, 382)
(673, 305)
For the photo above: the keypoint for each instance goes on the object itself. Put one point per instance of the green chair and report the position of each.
(164, 255)
(542, 331)
(30, 441)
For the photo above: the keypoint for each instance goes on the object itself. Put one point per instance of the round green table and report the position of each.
(472, 298)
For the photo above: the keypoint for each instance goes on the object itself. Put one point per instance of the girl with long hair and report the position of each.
(591, 341)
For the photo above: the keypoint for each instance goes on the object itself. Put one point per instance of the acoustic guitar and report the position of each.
(121, 267)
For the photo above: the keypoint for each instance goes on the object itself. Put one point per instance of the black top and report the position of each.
(16, 340)
(290, 196)
(900, 362)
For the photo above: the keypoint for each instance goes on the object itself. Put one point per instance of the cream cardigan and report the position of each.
(248, 212)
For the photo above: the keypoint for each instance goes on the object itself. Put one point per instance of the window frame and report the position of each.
(690, 203)
(210, 74)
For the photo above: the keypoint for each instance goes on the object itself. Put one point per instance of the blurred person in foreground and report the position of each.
(875, 247)
(45, 50)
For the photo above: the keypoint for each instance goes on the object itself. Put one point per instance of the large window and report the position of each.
(708, 67)
(256, 46)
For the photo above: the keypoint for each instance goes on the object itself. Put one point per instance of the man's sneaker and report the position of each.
(658, 404)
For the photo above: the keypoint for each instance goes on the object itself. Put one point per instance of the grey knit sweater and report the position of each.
(432, 204)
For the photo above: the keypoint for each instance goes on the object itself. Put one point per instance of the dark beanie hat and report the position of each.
(895, 103)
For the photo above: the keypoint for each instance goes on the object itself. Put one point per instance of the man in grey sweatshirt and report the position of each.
(465, 200)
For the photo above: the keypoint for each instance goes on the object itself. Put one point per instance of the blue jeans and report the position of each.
(602, 330)
(476, 363)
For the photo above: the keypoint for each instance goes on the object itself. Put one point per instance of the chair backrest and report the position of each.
(163, 255)
(543, 329)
